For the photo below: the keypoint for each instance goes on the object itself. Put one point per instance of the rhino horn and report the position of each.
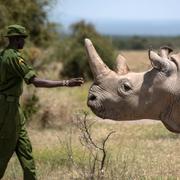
(98, 67)
(159, 62)
(165, 51)
(121, 65)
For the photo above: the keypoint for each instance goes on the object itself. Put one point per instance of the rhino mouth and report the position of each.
(96, 105)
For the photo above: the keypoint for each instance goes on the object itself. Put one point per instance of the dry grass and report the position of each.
(135, 151)
(137, 60)
(143, 150)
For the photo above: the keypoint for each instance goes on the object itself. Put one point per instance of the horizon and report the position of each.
(132, 27)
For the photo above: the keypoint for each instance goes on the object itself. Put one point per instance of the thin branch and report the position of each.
(104, 150)
(87, 141)
(89, 134)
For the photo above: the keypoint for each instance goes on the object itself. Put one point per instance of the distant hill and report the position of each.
(143, 28)
(131, 28)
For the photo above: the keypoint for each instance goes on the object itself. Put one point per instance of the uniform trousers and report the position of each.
(14, 137)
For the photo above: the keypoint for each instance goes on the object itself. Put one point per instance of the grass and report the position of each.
(143, 150)
(135, 151)
(137, 60)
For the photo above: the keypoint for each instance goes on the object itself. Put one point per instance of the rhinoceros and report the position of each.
(122, 95)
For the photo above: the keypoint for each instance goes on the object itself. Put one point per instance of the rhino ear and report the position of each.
(165, 51)
(158, 62)
(121, 65)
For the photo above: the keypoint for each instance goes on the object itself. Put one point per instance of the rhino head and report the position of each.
(124, 95)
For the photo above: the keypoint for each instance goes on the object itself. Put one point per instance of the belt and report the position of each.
(9, 98)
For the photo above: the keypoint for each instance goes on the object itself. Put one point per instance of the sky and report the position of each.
(102, 11)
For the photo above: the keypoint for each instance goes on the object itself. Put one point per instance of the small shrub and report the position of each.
(76, 61)
(30, 104)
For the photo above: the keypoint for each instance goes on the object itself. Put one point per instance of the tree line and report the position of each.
(144, 42)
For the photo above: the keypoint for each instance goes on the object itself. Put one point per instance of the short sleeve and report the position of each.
(20, 68)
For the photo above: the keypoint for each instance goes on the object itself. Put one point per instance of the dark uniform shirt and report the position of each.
(13, 69)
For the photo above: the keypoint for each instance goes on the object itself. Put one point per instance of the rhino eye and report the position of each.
(125, 87)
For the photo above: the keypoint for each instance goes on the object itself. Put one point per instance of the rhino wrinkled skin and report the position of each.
(124, 95)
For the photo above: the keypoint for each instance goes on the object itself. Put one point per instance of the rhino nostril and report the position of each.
(92, 97)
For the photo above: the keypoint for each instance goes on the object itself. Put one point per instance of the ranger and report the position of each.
(13, 70)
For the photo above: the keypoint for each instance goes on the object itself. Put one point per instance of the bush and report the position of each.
(30, 104)
(76, 62)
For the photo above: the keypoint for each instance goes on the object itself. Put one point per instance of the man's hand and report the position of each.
(75, 82)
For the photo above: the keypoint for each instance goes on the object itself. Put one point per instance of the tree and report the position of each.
(76, 63)
(31, 14)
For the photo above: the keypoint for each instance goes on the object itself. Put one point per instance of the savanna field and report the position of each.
(58, 130)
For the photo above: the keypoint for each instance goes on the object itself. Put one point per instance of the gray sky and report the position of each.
(125, 17)
(70, 10)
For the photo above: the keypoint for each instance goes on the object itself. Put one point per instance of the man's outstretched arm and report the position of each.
(37, 82)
